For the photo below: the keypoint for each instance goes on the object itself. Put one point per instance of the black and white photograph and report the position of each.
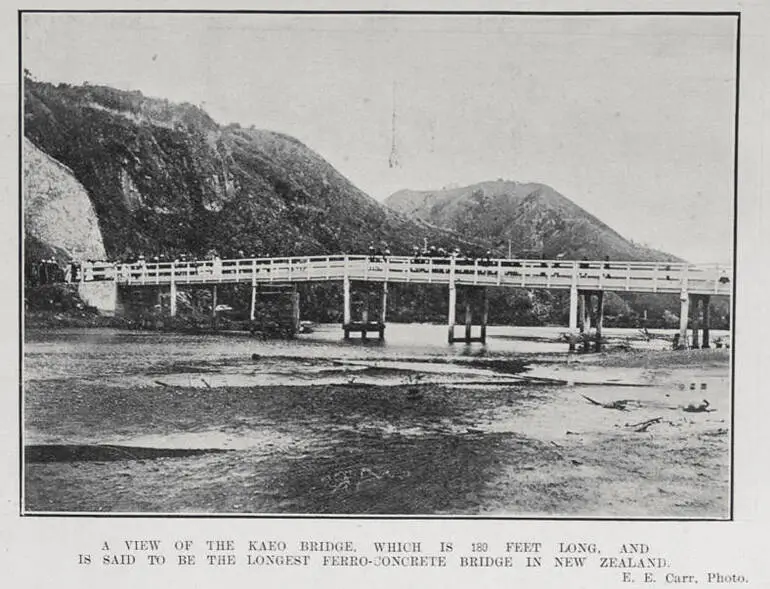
(378, 265)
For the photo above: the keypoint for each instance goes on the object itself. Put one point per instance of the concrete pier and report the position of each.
(214, 305)
(684, 312)
(295, 308)
(484, 316)
(468, 316)
(573, 317)
(468, 300)
(172, 299)
(599, 318)
(253, 307)
(346, 300)
(695, 302)
(363, 326)
(452, 311)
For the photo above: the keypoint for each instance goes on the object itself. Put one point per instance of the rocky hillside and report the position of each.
(59, 219)
(534, 217)
(166, 178)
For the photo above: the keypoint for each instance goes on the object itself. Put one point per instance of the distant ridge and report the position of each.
(535, 218)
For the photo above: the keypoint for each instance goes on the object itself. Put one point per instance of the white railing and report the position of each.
(558, 274)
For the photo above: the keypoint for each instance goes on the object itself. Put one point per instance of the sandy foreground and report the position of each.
(535, 446)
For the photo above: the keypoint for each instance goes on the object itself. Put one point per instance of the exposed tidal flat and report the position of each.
(130, 421)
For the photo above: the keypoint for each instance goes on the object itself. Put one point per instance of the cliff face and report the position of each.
(166, 178)
(59, 218)
(535, 218)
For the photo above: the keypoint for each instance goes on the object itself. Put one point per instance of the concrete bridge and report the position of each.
(100, 284)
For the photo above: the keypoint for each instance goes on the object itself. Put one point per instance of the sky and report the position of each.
(630, 117)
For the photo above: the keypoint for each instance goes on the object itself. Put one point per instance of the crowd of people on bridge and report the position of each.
(45, 271)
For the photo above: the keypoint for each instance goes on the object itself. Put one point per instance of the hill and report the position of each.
(166, 178)
(535, 218)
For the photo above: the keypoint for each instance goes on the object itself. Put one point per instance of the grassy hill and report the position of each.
(166, 178)
(535, 218)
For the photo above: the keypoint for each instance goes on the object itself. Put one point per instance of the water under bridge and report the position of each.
(100, 284)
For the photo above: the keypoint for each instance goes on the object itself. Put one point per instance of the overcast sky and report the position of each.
(630, 117)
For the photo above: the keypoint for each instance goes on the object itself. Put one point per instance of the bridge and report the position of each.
(587, 281)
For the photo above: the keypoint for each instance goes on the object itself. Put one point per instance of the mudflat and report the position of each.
(617, 434)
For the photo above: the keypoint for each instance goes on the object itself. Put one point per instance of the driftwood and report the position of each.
(642, 427)
(163, 384)
(208, 386)
(619, 405)
(700, 408)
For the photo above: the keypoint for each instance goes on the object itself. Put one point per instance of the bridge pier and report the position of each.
(695, 320)
(573, 316)
(295, 308)
(214, 305)
(684, 311)
(172, 299)
(346, 303)
(706, 320)
(383, 307)
(484, 316)
(364, 326)
(700, 319)
(589, 313)
(452, 305)
(599, 318)
(468, 300)
(585, 313)
(253, 308)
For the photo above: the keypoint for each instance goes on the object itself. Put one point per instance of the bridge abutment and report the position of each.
(104, 295)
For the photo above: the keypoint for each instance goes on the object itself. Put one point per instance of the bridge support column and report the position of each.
(484, 316)
(253, 308)
(451, 316)
(695, 301)
(706, 321)
(468, 299)
(468, 316)
(214, 306)
(295, 308)
(361, 323)
(383, 309)
(172, 299)
(585, 325)
(573, 317)
(684, 311)
(346, 306)
(364, 317)
(599, 318)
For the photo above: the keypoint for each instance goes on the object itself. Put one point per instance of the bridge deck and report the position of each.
(550, 274)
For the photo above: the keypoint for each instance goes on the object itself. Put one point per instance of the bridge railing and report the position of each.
(611, 275)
